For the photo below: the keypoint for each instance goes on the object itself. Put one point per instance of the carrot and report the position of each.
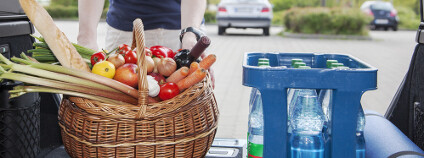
(152, 100)
(193, 67)
(192, 79)
(207, 62)
(178, 75)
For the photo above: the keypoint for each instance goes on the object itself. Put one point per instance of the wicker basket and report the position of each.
(183, 126)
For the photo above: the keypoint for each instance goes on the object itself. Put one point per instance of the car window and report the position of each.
(382, 6)
(367, 4)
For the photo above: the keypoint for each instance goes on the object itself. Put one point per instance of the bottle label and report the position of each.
(255, 150)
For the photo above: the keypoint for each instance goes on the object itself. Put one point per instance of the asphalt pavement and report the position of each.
(388, 51)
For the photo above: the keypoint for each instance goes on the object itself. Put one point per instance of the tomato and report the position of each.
(104, 68)
(130, 57)
(168, 91)
(97, 57)
(161, 51)
(123, 48)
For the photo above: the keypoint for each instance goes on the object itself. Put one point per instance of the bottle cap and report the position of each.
(335, 65)
(263, 64)
(263, 60)
(298, 64)
(331, 61)
(293, 61)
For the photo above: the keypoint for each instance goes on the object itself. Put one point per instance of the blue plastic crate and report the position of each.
(348, 87)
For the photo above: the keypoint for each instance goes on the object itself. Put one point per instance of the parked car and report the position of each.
(385, 15)
(244, 14)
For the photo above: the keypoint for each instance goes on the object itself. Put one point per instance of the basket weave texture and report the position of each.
(183, 126)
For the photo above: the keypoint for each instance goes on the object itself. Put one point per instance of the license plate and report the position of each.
(243, 10)
(381, 21)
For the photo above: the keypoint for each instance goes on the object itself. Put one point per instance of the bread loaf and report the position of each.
(61, 47)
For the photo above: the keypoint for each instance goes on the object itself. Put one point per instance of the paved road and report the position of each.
(389, 51)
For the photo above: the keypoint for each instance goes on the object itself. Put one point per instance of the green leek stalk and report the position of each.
(81, 74)
(21, 90)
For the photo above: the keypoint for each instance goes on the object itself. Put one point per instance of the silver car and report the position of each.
(244, 14)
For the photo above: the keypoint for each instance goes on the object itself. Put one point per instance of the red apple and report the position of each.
(158, 77)
(127, 74)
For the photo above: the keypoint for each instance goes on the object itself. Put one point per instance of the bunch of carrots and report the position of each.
(186, 77)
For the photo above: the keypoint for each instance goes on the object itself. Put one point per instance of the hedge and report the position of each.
(336, 21)
(210, 16)
(408, 19)
(59, 11)
(67, 12)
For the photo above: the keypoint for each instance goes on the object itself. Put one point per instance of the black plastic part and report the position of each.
(19, 123)
(50, 130)
(19, 117)
(406, 109)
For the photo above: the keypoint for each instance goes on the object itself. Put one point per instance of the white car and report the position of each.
(244, 14)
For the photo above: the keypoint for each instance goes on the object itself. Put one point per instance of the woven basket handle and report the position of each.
(143, 88)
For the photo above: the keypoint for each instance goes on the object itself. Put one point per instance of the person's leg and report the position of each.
(115, 37)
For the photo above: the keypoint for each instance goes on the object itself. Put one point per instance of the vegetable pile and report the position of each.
(113, 78)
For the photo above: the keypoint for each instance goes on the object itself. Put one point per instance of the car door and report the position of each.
(406, 110)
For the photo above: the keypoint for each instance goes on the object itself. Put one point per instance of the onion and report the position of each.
(150, 64)
(167, 66)
(156, 61)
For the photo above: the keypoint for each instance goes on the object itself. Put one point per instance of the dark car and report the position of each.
(385, 15)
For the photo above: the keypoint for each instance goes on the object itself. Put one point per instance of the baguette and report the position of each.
(61, 47)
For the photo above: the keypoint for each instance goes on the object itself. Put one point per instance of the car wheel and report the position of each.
(266, 31)
(221, 30)
(395, 28)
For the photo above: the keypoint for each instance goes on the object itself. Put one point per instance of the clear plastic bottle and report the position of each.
(255, 133)
(307, 122)
(360, 140)
(325, 97)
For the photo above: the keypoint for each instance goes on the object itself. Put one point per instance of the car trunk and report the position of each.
(244, 9)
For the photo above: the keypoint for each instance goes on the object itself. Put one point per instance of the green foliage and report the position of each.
(408, 19)
(278, 18)
(58, 11)
(337, 21)
(280, 5)
(210, 16)
(68, 9)
(67, 3)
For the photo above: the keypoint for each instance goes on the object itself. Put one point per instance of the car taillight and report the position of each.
(393, 13)
(265, 9)
(369, 12)
(222, 9)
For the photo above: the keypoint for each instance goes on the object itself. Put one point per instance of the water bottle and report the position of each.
(255, 134)
(256, 130)
(329, 62)
(307, 122)
(324, 98)
(360, 140)
(293, 61)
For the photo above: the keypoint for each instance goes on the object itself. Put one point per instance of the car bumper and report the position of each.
(384, 22)
(243, 22)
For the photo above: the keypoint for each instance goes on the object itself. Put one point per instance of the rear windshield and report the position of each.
(382, 6)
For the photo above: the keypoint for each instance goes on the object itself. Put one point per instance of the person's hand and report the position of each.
(88, 42)
(189, 40)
